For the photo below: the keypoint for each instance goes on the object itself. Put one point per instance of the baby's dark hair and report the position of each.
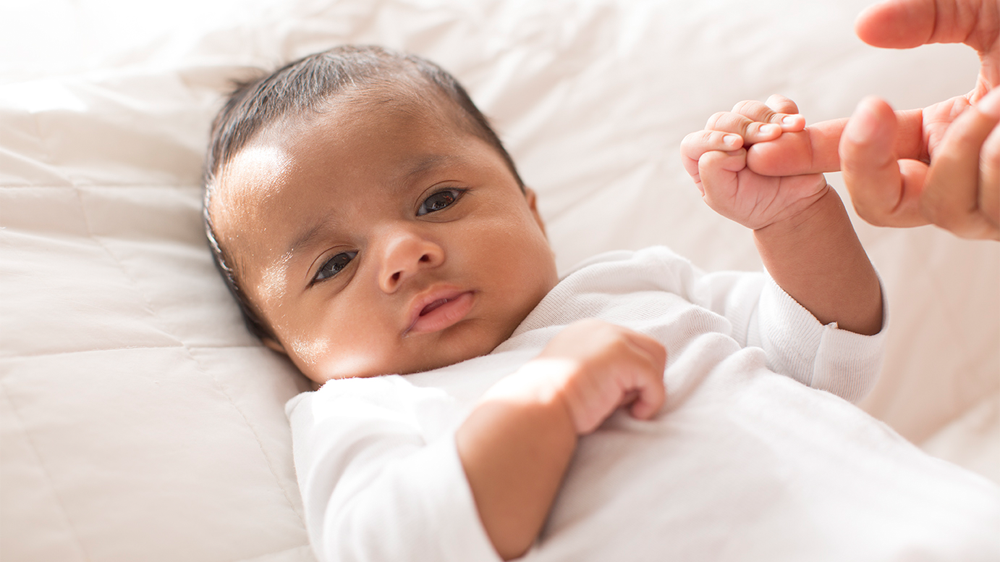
(305, 86)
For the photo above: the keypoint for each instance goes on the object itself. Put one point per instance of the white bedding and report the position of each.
(138, 418)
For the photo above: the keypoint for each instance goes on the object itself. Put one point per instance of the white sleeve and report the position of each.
(377, 483)
(821, 356)
(795, 343)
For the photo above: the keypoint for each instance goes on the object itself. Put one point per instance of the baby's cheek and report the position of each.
(309, 352)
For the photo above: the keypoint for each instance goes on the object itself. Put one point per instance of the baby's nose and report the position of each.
(406, 254)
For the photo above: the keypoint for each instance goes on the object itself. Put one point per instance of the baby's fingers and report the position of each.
(718, 175)
(648, 392)
(785, 108)
(777, 110)
(750, 130)
(698, 143)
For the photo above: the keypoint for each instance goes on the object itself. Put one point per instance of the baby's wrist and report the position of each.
(823, 208)
(536, 388)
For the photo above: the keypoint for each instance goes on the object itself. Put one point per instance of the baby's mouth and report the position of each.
(434, 305)
(441, 311)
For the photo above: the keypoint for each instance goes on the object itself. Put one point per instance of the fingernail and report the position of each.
(770, 129)
(732, 140)
(990, 104)
(789, 119)
(861, 127)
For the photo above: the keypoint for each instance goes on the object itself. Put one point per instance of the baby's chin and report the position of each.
(361, 366)
(466, 341)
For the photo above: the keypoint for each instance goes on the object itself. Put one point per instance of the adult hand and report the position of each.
(884, 155)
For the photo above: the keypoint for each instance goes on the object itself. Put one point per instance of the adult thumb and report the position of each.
(885, 192)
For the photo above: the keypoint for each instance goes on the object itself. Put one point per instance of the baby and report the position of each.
(370, 224)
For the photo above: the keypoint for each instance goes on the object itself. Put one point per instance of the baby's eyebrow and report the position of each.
(305, 239)
(426, 163)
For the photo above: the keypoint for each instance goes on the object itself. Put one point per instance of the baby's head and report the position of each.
(368, 219)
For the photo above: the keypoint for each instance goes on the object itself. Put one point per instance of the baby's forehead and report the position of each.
(256, 170)
(408, 98)
(295, 146)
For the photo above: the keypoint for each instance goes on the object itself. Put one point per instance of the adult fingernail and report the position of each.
(732, 140)
(770, 129)
(990, 104)
(861, 127)
(789, 119)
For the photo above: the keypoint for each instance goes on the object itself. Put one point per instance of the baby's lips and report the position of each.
(438, 308)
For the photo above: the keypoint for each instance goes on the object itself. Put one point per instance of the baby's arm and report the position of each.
(801, 229)
(517, 443)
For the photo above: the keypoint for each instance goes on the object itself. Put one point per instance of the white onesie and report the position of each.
(744, 462)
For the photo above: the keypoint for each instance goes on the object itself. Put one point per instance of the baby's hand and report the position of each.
(716, 158)
(591, 368)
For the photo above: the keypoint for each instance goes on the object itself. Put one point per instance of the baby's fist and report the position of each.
(597, 367)
(716, 158)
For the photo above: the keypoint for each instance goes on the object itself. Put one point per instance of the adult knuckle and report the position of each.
(945, 214)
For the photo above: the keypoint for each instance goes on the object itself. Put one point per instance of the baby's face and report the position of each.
(378, 240)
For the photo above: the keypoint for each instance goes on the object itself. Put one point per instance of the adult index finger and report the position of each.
(816, 149)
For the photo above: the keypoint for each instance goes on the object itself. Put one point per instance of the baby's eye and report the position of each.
(440, 200)
(334, 265)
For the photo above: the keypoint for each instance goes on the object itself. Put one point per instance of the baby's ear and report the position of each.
(273, 344)
(533, 205)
